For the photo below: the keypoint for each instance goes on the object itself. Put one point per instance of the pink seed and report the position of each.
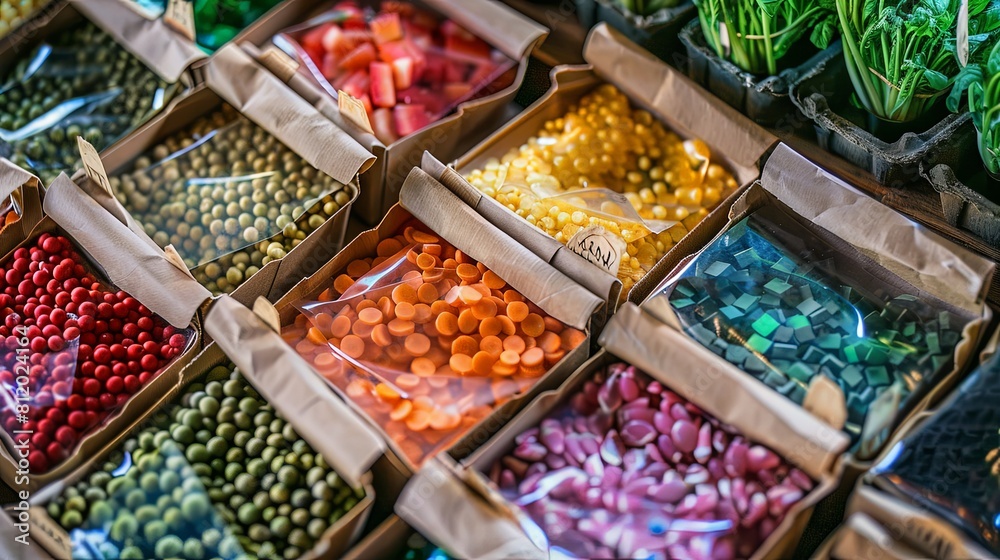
(666, 446)
(518, 467)
(684, 435)
(704, 449)
(735, 459)
(662, 421)
(552, 436)
(628, 388)
(638, 433)
(612, 449)
(530, 451)
(761, 458)
(756, 511)
(527, 435)
(678, 412)
(800, 479)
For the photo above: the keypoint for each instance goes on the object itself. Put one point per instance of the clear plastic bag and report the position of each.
(629, 469)
(225, 187)
(10, 211)
(72, 360)
(785, 304)
(170, 492)
(950, 463)
(216, 22)
(426, 340)
(79, 83)
(402, 58)
(608, 164)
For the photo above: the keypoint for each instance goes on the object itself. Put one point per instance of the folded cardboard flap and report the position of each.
(915, 526)
(130, 263)
(545, 247)
(861, 536)
(150, 40)
(923, 258)
(658, 86)
(440, 506)
(264, 99)
(510, 32)
(437, 207)
(25, 188)
(723, 391)
(348, 443)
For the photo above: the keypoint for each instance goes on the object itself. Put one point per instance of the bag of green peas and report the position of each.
(218, 473)
(77, 83)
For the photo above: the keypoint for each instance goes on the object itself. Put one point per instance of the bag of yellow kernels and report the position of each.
(599, 158)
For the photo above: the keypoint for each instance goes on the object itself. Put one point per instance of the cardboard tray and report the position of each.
(445, 501)
(22, 186)
(337, 538)
(121, 258)
(763, 99)
(894, 164)
(737, 143)
(234, 78)
(961, 205)
(430, 202)
(902, 254)
(657, 33)
(449, 137)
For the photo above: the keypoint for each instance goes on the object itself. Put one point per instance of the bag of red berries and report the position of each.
(97, 325)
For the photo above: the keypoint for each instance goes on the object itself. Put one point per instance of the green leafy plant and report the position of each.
(646, 7)
(982, 80)
(755, 34)
(901, 54)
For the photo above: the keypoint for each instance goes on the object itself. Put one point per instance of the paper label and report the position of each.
(267, 313)
(599, 247)
(879, 421)
(724, 37)
(175, 259)
(49, 534)
(180, 16)
(354, 110)
(93, 165)
(279, 63)
(825, 400)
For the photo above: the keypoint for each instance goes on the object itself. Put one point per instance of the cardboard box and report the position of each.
(117, 256)
(430, 202)
(902, 254)
(54, 539)
(736, 142)
(234, 78)
(444, 502)
(20, 189)
(511, 33)
(880, 527)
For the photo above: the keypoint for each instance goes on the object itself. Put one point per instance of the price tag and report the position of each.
(879, 420)
(599, 247)
(180, 15)
(354, 110)
(93, 165)
(266, 311)
(963, 33)
(175, 259)
(279, 63)
(825, 400)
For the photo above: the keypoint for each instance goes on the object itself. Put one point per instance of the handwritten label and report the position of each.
(279, 63)
(599, 247)
(354, 110)
(93, 165)
(825, 400)
(879, 421)
(266, 311)
(175, 259)
(180, 16)
(963, 33)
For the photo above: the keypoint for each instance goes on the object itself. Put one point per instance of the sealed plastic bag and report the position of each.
(73, 350)
(426, 340)
(408, 67)
(79, 83)
(629, 469)
(607, 165)
(228, 196)
(785, 304)
(218, 474)
(950, 464)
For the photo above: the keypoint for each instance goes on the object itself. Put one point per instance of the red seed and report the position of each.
(37, 462)
(66, 436)
(77, 419)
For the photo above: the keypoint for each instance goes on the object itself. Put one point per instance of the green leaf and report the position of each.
(936, 80)
(993, 61)
(970, 75)
(822, 34)
(770, 7)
